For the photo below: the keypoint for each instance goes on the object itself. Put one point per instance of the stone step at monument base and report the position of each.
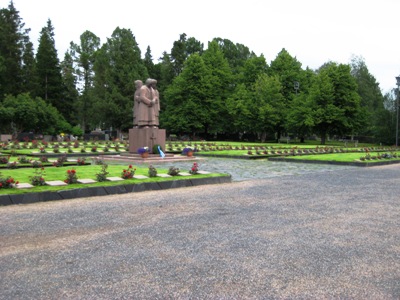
(152, 158)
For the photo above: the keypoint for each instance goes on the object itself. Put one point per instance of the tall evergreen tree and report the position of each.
(70, 91)
(149, 64)
(50, 86)
(84, 56)
(29, 70)
(167, 73)
(13, 38)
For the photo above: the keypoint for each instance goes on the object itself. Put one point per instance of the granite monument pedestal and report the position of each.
(146, 137)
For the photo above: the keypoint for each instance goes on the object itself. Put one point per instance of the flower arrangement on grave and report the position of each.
(70, 150)
(12, 165)
(15, 145)
(3, 159)
(60, 161)
(83, 150)
(173, 171)
(7, 182)
(94, 149)
(38, 178)
(102, 175)
(195, 169)
(187, 150)
(80, 161)
(36, 164)
(152, 171)
(128, 173)
(143, 150)
(34, 144)
(56, 149)
(98, 161)
(72, 177)
(76, 144)
(42, 150)
(44, 159)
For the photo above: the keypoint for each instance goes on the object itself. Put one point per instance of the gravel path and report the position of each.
(322, 235)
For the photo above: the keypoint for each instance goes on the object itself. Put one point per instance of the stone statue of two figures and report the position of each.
(146, 106)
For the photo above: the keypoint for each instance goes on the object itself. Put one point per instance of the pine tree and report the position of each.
(50, 87)
(70, 92)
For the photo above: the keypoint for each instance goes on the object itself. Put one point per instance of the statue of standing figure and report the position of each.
(136, 102)
(148, 106)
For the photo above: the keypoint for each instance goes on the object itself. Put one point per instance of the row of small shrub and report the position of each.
(368, 156)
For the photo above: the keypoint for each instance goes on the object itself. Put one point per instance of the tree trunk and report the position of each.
(323, 138)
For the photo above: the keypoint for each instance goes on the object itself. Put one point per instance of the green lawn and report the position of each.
(341, 157)
(85, 172)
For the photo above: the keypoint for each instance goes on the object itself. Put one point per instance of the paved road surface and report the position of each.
(329, 235)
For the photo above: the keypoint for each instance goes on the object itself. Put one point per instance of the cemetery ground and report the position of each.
(325, 235)
(22, 161)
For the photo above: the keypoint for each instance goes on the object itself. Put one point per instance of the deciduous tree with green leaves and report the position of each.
(335, 101)
(189, 98)
(117, 66)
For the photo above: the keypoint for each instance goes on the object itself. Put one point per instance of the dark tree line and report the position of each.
(224, 91)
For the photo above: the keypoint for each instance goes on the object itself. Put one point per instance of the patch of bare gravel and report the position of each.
(322, 235)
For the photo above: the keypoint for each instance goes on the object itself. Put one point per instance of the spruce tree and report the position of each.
(50, 86)
(13, 37)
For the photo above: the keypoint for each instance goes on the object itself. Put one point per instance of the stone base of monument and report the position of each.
(146, 137)
(152, 158)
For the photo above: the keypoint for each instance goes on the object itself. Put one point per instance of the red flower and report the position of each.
(17, 182)
(1, 184)
(69, 171)
(73, 171)
(130, 166)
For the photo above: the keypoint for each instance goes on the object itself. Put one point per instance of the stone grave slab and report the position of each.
(184, 174)
(56, 183)
(164, 175)
(86, 181)
(140, 177)
(24, 186)
(203, 172)
(114, 178)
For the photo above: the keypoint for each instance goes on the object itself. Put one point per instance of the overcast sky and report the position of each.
(313, 31)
